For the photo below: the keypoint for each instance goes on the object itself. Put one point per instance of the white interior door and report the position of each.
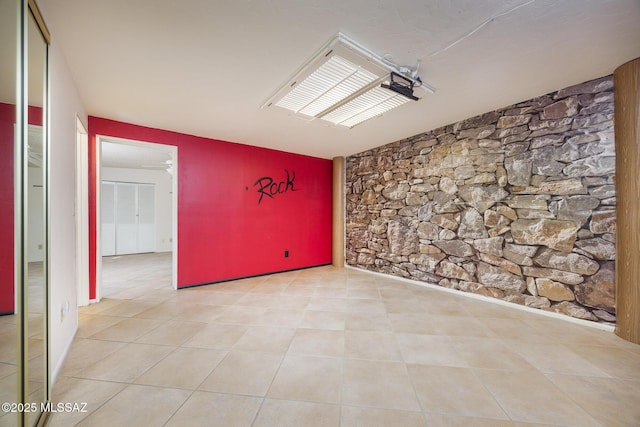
(146, 218)
(126, 218)
(108, 218)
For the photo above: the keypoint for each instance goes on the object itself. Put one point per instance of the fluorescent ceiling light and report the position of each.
(344, 83)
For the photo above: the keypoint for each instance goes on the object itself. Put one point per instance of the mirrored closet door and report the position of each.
(24, 218)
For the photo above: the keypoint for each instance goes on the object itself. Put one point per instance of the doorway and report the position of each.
(144, 173)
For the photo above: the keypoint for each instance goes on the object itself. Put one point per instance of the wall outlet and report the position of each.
(286, 254)
(40, 246)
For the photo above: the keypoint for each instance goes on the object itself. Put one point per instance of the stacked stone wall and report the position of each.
(516, 204)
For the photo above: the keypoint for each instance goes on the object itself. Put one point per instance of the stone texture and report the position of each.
(599, 248)
(457, 248)
(507, 265)
(557, 275)
(396, 192)
(573, 310)
(572, 262)
(598, 291)
(482, 197)
(516, 204)
(403, 239)
(603, 222)
(491, 245)
(472, 225)
(565, 108)
(560, 235)
(496, 277)
(452, 271)
(555, 291)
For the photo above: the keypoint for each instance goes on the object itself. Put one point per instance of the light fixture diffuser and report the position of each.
(344, 84)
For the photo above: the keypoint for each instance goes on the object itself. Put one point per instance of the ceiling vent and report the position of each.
(346, 84)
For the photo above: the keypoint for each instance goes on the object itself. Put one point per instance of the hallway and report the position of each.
(333, 347)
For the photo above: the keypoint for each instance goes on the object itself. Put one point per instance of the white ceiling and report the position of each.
(206, 67)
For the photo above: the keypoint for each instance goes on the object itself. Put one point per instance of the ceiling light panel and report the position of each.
(340, 84)
(368, 105)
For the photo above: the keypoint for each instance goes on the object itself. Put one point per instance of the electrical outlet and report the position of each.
(286, 254)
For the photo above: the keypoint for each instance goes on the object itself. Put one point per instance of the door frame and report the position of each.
(172, 150)
(82, 212)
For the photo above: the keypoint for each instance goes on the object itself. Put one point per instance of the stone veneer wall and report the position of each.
(516, 204)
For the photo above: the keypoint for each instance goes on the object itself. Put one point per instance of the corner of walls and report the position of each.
(517, 204)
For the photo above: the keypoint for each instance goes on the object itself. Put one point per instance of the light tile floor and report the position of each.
(333, 347)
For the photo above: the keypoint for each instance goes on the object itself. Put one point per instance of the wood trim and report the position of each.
(626, 79)
(337, 253)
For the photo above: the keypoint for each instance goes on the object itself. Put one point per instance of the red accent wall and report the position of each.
(7, 123)
(225, 229)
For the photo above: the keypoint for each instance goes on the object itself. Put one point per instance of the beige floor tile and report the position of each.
(280, 317)
(243, 372)
(314, 336)
(285, 413)
(447, 420)
(531, 397)
(184, 368)
(240, 315)
(430, 350)
(609, 400)
(366, 306)
(105, 304)
(89, 324)
(369, 417)
(317, 342)
(200, 312)
(327, 304)
(367, 322)
(378, 384)
(163, 311)
(214, 336)
(216, 410)
(308, 378)
(257, 300)
(483, 353)
(413, 323)
(128, 308)
(323, 320)
(363, 293)
(293, 302)
(129, 330)
(372, 345)
(460, 326)
(172, 332)
(86, 352)
(555, 358)
(138, 405)
(76, 390)
(127, 363)
(617, 362)
(453, 391)
(330, 292)
(265, 339)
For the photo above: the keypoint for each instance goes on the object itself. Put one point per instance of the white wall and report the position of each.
(162, 181)
(65, 104)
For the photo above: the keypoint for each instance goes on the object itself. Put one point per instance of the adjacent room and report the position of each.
(303, 213)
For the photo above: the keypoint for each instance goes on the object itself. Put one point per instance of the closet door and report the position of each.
(126, 218)
(108, 218)
(146, 218)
